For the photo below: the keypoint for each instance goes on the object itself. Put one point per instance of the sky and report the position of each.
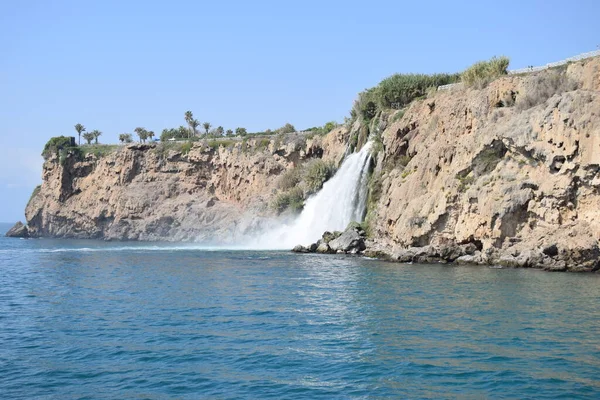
(115, 65)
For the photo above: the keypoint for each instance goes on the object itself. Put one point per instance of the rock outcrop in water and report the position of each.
(19, 230)
(506, 175)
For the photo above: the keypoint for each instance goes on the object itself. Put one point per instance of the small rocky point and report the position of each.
(19, 230)
(351, 241)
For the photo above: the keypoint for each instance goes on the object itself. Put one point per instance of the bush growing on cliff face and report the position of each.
(481, 73)
(56, 144)
(399, 90)
(543, 87)
(316, 174)
(289, 179)
(292, 199)
(396, 92)
(186, 147)
(296, 184)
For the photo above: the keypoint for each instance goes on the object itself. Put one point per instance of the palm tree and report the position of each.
(193, 125)
(79, 128)
(150, 134)
(96, 134)
(229, 133)
(142, 133)
(88, 136)
(206, 126)
(220, 131)
(189, 117)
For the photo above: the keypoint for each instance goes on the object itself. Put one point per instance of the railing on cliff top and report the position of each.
(527, 70)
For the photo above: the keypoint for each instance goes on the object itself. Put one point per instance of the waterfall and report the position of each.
(342, 200)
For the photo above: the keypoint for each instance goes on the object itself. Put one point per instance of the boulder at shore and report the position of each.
(352, 241)
(19, 230)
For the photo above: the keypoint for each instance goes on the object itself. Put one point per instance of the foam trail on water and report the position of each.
(341, 200)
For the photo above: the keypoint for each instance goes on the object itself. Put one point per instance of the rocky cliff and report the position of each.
(508, 174)
(153, 192)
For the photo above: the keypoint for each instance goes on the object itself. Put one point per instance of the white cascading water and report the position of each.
(342, 200)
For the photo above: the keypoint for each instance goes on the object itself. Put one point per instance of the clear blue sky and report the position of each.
(114, 65)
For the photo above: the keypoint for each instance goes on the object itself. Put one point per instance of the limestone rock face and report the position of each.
(19, 230)
(147, 192)
(513, 180)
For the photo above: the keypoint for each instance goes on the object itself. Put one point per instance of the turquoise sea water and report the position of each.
(84, 319)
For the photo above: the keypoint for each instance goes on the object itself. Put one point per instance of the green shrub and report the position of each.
(481, 73)
(185, 148)
(57, 143)
(289, 179)
(396, 92)
(322, 130)
(377, 144)
(292, 199)
(375, 192)
(353, 141)
(399, 90)
(316, 174)
(287, 128)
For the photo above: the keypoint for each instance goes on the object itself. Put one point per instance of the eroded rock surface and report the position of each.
(520, 182)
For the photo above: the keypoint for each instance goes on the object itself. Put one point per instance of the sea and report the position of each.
(111, 320)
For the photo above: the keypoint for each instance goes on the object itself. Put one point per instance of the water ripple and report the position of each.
(98, 320)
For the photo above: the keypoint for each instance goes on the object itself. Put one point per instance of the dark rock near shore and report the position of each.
(19, 230)
(300, 249)
(351, 241)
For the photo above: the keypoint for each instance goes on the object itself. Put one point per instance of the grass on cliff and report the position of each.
(397, 91)
(98, 150)
(481, 73)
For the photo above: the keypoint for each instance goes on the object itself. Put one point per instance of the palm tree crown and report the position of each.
(79, 128)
